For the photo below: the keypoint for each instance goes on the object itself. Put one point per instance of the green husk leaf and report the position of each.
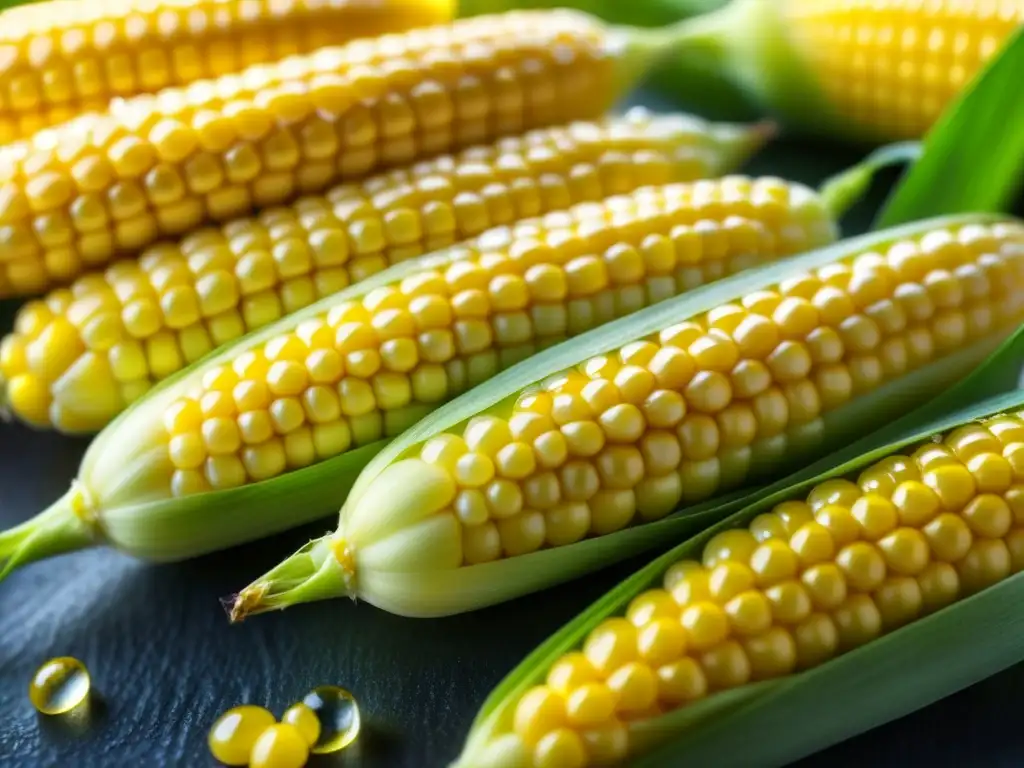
(914, 427)
(847, 187)
(974, 155)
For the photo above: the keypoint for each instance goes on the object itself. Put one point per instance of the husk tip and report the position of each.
(246, 603)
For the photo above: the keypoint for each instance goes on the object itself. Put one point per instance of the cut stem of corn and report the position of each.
(64, 57)
(878, 71)
(80, 356)
(530, 478)
(271, 410)
(817, 576)
(104, 185)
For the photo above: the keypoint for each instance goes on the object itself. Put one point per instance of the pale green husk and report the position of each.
(895, 674)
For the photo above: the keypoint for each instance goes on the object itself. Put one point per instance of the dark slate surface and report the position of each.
(165, 661)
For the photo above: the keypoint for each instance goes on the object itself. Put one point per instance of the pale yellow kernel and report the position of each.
(225, 471)
(862, 565)
(726, 665)
(566, 523)
(503, 498)
(571, 671)
(816, 639)
(538, 712)
(481, 543)
(706, 625)
(473, 470)
(560, 748)
(612, 644)
(611, 511)
(583, 438)
(857, 621)
(986, 562)
(552, 448)
(790, 601)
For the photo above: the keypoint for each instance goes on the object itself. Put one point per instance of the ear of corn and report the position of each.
(272, 409)
(579, 455)
(794, 607)
(108, 184)
(878, 71)
(82, 354)
(64, 57)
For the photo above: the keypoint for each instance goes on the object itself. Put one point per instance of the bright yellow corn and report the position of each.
(801, 585)
(61, 58)
(892, 66)
(377, 362)
(248, 420)
(74, 196)
(450, 517)
(142, 321)
(712, 401)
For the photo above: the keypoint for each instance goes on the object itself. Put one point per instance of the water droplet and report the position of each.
(59, 686)
(338, 713)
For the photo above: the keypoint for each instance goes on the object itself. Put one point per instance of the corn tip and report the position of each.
(245, 603)
(315, 572)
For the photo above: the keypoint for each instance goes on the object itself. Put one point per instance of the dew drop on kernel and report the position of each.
(338, 713)
(59, 686)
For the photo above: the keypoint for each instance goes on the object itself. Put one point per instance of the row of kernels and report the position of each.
(503, 517)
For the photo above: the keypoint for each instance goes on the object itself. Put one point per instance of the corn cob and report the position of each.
(62, 58)
(82, 355)
(74, 196)
(878, 71)
(802, 584)
(334, 379)
(765, 370)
